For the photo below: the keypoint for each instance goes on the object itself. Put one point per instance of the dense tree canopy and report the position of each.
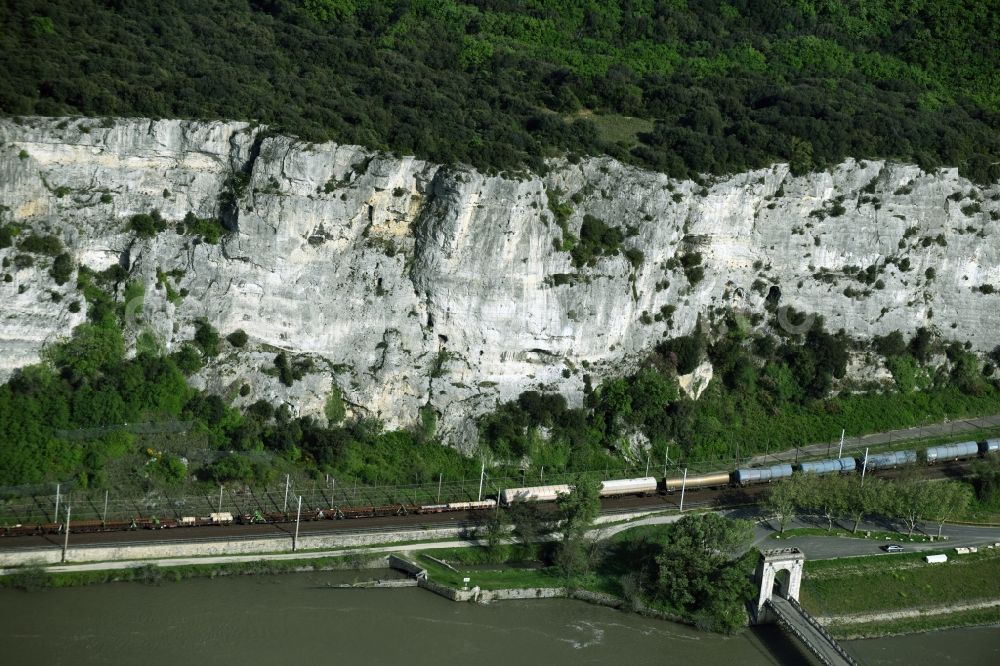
(680, 86)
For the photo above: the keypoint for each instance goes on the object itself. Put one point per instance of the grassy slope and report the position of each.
(898, 582)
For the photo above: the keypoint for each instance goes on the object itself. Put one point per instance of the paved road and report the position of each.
(858, 444)
(820, 547)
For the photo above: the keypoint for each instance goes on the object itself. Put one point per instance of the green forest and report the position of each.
(687, 87)
(769, 392)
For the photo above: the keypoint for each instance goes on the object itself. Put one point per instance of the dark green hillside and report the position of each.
(696, 86)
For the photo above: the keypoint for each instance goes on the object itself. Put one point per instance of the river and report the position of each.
(298, 618)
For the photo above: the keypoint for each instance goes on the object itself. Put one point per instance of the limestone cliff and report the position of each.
(411, 284)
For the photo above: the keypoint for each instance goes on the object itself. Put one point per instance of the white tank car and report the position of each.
(617, 487)
(534, 493)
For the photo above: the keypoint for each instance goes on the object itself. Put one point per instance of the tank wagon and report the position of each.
(890, 460)
(641, 486)
(952, 451)
(835, 466)
(713, 480)
(610, 488)
(745, 477)
(614, 488)
(534, 493)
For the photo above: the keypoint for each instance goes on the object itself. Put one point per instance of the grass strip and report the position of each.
(867, 535)
(968, 618)
(35, 577)
(898, 582)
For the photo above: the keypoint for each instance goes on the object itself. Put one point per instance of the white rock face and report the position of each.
(694, 383)
(409, 284)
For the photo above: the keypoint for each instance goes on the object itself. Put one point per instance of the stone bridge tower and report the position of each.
(779, 571)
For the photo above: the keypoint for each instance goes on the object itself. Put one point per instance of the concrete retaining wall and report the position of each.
(406, 566)
(599, 598)
(522, 593)
(149, 551)
(141, 551)
(450, 592)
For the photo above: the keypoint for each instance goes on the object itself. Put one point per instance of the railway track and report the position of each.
(718, 498)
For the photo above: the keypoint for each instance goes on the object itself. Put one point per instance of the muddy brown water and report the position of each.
(299, 618)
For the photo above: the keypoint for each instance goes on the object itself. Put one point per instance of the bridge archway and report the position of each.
(782, 582)
(779, 572)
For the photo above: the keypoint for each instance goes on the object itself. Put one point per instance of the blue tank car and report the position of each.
(952, 451)
(763, 475)
(834, 466)
(889, 460)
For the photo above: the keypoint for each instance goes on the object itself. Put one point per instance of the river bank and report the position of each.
(901, 594)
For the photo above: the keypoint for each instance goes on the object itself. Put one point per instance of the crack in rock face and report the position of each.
(408, 284)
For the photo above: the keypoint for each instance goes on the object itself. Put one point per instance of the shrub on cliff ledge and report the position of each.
(238, 338)
(147, 226)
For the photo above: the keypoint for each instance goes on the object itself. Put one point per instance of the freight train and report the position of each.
(874, 463)
(643, 486)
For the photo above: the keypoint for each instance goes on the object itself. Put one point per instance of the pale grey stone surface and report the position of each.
(410, 284)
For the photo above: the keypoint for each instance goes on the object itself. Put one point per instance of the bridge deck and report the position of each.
(812, 634)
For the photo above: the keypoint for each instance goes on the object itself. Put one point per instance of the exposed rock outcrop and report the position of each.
(409, 284)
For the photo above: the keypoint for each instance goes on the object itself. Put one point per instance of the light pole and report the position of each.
(66, 536)
(298, 517)
(683, 488)
(864, 467)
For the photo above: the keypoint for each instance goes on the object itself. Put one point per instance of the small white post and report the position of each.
(66, 536)
(298, 517)
(864, 468)
(104, 516)
(684, 487)
(220, 499)
(482, 475)
(55, 518)
(285, 510)
(840, 453)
